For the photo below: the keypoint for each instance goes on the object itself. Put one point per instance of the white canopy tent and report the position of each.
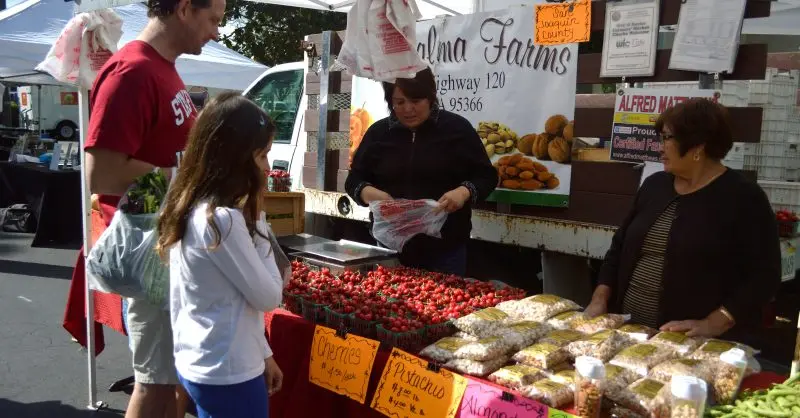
(28, 29)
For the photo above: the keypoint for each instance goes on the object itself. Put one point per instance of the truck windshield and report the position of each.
(279, 95)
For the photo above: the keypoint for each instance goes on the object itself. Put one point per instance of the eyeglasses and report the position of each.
(664, 136)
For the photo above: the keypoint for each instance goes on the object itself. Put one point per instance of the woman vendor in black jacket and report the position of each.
(423, 152)
(699, 253)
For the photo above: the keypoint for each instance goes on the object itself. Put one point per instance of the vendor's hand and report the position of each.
(714, 325)
(454, 199)
(371, 194)
(273, 375)
(596, 308)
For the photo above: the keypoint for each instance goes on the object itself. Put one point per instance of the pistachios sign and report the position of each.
(519, 96)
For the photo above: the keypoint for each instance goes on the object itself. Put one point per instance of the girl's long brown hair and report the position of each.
(218, 168)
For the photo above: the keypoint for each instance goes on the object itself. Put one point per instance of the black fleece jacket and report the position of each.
(442, 154)
(723, 250)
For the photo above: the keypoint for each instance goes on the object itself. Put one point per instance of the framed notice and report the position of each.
(518, 95)
(634, 137)
(708, 35)
(630, 40)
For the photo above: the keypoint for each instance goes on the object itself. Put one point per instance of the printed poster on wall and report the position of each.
(630, 40)
(519, 96)
(634, 137)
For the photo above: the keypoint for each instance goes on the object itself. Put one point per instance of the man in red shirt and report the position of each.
(140, 118)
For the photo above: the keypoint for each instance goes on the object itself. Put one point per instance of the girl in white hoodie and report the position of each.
(223, 273)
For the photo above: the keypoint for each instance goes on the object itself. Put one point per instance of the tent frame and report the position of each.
(83, 113)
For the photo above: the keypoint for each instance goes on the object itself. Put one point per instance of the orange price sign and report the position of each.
(563, 23)
(409, 388)
(342, 364)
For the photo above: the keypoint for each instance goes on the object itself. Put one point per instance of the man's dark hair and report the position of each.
(165, 8)
(699, 121)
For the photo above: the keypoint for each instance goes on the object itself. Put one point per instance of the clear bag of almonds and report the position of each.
(637, 333)
(482, 323)
(484, 349)
(712, 349)
(731, 369)
(618, 379)
(566, 377)
(517, 376)
(603, 345)
(561, 337)
(443, 350)
(701, 369)
(590, 379)
(566, 320)
(541, 355)
(688, 398)
(543, 307)
(640, 358)
(550, 393)
(601, 323)
(521, 334)
(676, 341)
(646, 397)
(476, 368)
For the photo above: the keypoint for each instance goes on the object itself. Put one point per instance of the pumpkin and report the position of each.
(539, 148)
(559, 150)
(555, 125)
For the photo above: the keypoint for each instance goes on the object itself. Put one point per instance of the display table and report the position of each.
(290, 337)
(53, 196)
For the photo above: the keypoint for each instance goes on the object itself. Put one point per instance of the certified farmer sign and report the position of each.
(519, 96)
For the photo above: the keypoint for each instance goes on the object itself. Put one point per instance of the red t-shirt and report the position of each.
(139, 107)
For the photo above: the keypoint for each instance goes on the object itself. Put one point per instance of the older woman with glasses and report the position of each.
(423, 152)
(699, 252)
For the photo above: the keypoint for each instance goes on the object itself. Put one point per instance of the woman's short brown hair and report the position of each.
(698, 122)
(422, 86)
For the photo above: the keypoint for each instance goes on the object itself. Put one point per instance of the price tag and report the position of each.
(482, 400)
(563, 23)
(409, 389)
(342, 365)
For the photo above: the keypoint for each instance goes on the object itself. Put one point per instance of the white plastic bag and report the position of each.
(381, 41)
(85, 44)
(397, 221)
(123, 261)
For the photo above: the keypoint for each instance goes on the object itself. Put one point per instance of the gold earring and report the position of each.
(697, 157)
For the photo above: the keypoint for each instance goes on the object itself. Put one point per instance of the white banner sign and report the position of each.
(631, 34)
(519, 96)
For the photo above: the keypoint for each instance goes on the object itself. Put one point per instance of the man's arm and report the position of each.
(121, 117)
(112, 172)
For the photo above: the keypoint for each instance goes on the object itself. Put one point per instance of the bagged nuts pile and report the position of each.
(561, 337)
(601, 323)
(701, 369)
(646, 397)
(542, 307)
(676, 341)
(443, 350)
(481, 323)
(476, 368)
(542, 355)
(521, 334)
(549, 393)
(516, 376)
(603, 345)
(483, 350)
(640, 358)
(637, 333)
(566, 320)
(618, 379)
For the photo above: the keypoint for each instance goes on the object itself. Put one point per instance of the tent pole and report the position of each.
(86, 204)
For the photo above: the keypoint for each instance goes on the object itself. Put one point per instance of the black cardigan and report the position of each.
(723, 249)
(444, 153)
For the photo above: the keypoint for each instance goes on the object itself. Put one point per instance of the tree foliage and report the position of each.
(271, 34)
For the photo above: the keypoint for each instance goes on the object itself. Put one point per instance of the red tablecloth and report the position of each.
(107, 307)
(290, 337)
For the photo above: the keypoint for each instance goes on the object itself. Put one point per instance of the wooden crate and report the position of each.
(286, 212)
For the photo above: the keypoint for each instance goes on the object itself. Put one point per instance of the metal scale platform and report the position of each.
(338, 256)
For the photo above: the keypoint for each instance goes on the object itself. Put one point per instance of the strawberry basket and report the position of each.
(363, 327)
(338, 320)
(314, 312)
(293, 303)
(411, 341)
(435, 332)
